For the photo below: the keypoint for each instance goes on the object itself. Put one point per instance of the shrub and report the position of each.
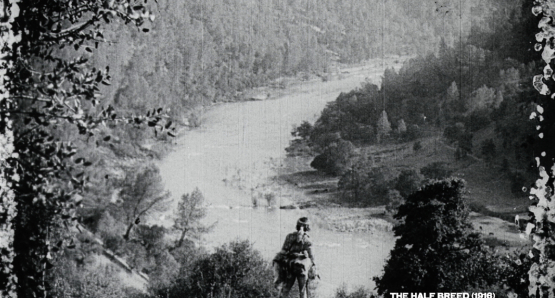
(336, 159)
(395, 199)
(234, 270)
(367, 185)
(303, 131)
(95, 280)
(408, 182)
(413, 132)
(298, 147)
(360, 292)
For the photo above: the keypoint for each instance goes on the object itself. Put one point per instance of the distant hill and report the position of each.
(199, 52)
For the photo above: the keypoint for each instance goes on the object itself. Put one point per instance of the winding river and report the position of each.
(244, 143)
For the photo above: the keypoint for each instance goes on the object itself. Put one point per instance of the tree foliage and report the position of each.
(94, 282)
(190, 211)
(233, 270)
(336, 158)
(395, 199)
(408, 182)
(54, 92)
(541, 274)
(366, 184)
(303, 131)
(141, 194)
(401, 126)
(488, 150)
(465, 82)
(436, 249)
(383, 127)
(360, 292)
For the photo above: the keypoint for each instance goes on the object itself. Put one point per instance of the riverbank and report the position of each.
(302, 83)
(492, 216)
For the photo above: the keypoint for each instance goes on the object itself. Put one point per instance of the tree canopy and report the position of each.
(437, 249)
(55, 93)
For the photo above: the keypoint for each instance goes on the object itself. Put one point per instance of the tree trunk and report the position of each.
(126, 236)
(180, 242)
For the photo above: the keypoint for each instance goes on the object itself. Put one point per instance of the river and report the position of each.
(242, 144)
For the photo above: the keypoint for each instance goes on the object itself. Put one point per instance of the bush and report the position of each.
(395, 199)
(336, 159)
(408, 182)
(298, 147)
(71, 280)
(367, 185)
(233, 270)
(302, 131)
(322, 163)
(360, 292)
(413, 132)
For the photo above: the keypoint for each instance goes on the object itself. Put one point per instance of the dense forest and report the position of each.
(199, 52)
(82, 172)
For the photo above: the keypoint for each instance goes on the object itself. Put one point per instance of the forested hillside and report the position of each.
(474, 94)
(199, 52)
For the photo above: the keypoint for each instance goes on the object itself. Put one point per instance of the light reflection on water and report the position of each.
(235, 151)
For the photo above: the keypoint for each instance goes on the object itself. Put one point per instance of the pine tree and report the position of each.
(401, 127)
(452, 92)
(383, 126)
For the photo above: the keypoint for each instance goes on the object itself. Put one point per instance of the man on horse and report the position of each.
(294, 261)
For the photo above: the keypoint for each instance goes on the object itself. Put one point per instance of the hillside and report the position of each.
(200, 52)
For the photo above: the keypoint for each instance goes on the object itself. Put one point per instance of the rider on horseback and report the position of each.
(295, 260)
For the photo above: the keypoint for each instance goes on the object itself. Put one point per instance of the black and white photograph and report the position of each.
(277, 148)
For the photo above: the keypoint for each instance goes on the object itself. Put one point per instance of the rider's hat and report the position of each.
(303, 222)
